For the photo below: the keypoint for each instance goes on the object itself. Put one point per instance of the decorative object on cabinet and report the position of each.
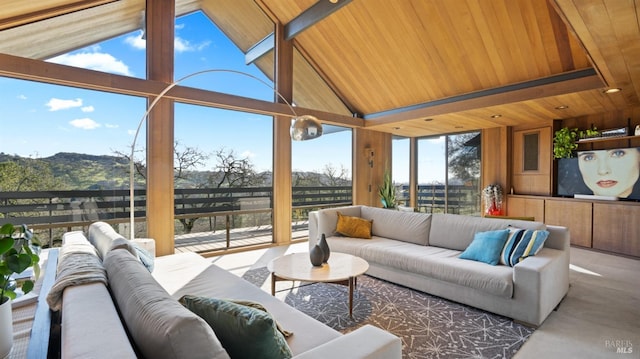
(493, 199)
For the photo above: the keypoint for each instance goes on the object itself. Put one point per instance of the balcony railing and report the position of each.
(209, 210)
(220, 215)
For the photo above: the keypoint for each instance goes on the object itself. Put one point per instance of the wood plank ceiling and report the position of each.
(408, 67)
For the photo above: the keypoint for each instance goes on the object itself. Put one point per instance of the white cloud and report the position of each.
(56, 104)
(98, 61)
(84, 123)
(22, 97)
(131, 132)
(179, 44)
(109, 125)
(87, 109)
(248, 154)
(136, 41)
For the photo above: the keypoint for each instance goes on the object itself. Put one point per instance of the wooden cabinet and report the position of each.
(616, 228)
(531, 171)
(526, 207)
(575, 215)
(612, 226)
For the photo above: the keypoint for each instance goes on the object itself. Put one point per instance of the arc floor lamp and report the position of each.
(305, 127)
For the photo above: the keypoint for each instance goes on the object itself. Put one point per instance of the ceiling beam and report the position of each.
(316, 13)
(46, 72)
(48, 13)
(568, 82)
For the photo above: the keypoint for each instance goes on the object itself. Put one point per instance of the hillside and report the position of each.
(78, 171)
(81, 171)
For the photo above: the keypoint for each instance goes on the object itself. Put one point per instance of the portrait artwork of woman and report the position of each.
(612, 172)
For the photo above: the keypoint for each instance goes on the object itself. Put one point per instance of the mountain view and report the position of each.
(77, 171)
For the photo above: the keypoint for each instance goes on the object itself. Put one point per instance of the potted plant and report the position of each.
(589, 133)
(16, 256)
(564, 142)
(387, 191)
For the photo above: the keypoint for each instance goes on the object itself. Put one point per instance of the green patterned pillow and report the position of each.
(244, 331)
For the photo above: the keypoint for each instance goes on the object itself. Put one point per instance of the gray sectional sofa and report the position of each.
(421, 251)
(135, 313)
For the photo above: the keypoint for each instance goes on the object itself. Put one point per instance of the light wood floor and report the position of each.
(599, 318)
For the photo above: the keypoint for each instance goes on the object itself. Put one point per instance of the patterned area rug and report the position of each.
(429, 326)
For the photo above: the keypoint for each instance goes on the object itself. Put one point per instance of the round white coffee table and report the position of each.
(341, 269)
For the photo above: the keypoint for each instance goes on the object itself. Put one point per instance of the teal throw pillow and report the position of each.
(243, 331)
(522, 243)
(145, 257)
(486, 247)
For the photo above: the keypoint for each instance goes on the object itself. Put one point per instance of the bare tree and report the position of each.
(334, 176)
(186, 160)
(233, 172)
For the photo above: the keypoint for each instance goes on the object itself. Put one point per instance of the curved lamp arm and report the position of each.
(302, 128)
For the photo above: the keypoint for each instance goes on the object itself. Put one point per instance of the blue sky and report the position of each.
(46, 119)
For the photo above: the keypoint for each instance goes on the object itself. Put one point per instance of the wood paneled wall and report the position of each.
(371, 155)
(496, 159)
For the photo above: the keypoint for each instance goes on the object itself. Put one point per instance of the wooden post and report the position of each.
(160, 20)
(282, 191)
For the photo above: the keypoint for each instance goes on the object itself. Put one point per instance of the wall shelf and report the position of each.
(604, 139)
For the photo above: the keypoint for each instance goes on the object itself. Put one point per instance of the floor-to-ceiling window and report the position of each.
(400, 169)
(448, 173)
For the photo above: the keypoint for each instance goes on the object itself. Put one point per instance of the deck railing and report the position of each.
(206, 210)
(52, 213)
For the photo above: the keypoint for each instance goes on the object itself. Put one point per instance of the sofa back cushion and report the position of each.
(159, 325)
(403, 226)
(101, 235)
(455, 231)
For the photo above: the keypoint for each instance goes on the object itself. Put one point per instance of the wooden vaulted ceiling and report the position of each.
(408, 67)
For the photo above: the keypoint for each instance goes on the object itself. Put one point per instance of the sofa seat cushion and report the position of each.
(434, 262)
(403, 226)
(159, 325)
(190, 273)
(456, 232)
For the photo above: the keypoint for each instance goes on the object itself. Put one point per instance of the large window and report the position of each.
(448, 169)
(321, 175)
(400, 169)
(68, 148)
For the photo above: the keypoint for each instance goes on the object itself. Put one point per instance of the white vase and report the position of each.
(6, 329)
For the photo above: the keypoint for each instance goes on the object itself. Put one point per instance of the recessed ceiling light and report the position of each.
(562, 107)
(396, 128)
(613, 90)
(459, 127)
(428, 119)
(496, 116)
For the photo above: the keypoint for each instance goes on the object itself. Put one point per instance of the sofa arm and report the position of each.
(540, 283)
(365, 342)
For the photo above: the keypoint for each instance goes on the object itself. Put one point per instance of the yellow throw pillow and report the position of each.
(354, 226)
